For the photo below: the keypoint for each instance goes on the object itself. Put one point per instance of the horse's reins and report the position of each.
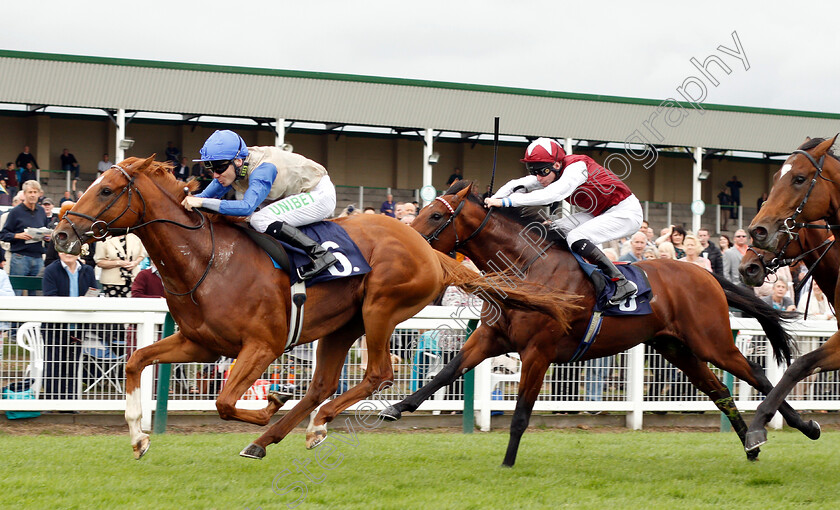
(99, 229)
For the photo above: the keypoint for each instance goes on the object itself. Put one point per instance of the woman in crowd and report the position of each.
(692, 248)
(119, 257)
(650, 253)
(725, 242)
(676, 236)
(666, 251)
(779, 298)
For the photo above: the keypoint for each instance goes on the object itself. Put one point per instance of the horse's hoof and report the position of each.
(141, 446)
(316, 437)
(813, 431)
(506, 466)
(279, 398)
(390, 413)
(752, 455)
(253, 451)
(754, 439)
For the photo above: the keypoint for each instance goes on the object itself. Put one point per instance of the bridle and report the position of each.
(453, 214)
(99, 229)
(790, 227)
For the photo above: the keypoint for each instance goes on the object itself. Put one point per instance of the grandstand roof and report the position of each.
(197, 89)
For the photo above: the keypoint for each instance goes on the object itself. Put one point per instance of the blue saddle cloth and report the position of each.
(333, 237)
(605, 288)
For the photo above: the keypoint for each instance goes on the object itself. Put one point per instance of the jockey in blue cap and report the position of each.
(292, 190)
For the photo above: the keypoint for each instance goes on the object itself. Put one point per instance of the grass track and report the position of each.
(555, 469)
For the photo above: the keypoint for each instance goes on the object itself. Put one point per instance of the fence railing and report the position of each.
(79, 366)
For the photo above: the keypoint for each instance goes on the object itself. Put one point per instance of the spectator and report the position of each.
(28, 174)
(11, 179)
(409, 208)
(732, 257)
(173, 154)
(725, 243)
(766, 288)
(666, 251)
(182, 171)
(692, 249)
(675, 235)
(760, 201)
(69, 164)
(408, 218)
(52, 219)
(18, 198)
(487, 194)
(399, 210)
(710, 251)
(64, 277)
(725, 203)
(5, 197)
(119, 258)
(817, 307)
(650, 237)
(103, 165)
(779, 299)
(27, 258)
(369, 210)
(638, 242)
(24, 158)
(66, 198)
(735, 186)
(455, 177)
(147, 284)
(388, 206)
(5, 284)
(650, 253)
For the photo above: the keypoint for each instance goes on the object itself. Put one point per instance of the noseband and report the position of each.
(453, 214)
(99, 229)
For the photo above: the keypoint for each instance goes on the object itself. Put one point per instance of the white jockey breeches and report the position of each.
(621, 220)
(298, 210)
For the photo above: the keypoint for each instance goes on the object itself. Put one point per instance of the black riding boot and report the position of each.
(624, 288)
(321, 257)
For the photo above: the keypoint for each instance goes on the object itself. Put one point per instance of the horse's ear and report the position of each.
(464, 193)
(824, 147)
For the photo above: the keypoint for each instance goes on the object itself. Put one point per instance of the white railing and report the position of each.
(632, 382)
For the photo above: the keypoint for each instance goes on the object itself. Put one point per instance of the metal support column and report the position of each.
(428, 141)
(696, 187)
(119, 155)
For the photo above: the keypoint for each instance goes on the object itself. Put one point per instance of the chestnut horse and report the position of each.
(805, 189)
(689, 325)
(229, 300)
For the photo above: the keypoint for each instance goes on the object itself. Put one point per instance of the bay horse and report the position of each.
(689, 325)
(805, 189)
(229, 299)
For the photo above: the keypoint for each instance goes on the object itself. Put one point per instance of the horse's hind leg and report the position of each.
(482, 344)
(534, 366)
(702, 377)
(825, 358)
(172, 349)
(332, 350)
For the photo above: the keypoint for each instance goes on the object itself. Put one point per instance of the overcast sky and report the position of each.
(634, 49)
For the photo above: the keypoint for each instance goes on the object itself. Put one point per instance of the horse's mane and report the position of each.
(813, 142)
(162, 173)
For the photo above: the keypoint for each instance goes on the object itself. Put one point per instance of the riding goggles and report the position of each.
(218, 166)
(540, 168)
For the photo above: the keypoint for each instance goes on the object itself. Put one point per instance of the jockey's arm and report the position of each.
(529, 182)
(573, 177)
(259, 185)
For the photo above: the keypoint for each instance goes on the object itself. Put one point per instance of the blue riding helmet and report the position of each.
(223, 145)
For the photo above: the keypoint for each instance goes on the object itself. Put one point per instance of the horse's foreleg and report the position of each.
(825, 358)
(482, 344)
(534, 366)
(251, 363)
(172, 349)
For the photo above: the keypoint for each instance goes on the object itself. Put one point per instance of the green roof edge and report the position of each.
(315, 75)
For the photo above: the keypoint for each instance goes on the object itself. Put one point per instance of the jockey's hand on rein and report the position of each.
(492, 202)
(190, 202)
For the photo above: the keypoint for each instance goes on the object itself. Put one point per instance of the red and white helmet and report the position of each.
(542, 155)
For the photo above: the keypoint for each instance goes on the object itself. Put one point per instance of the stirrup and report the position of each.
(626, 290)
(316, 267)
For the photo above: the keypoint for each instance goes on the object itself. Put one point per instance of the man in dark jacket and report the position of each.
(710, 251)
(25, 258)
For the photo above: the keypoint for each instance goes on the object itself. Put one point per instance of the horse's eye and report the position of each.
(799, 179)
(105, 192)
(436, 216)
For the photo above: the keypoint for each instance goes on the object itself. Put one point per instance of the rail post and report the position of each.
(469, 388)
(164, 376)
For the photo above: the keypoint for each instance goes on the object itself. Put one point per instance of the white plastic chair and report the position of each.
(498, 377)
(104, 362)
(29, 338)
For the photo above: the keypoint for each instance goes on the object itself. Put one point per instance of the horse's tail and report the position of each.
(510, 290)
(771, 320)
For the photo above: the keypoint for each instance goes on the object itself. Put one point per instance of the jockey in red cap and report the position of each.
(609, 210)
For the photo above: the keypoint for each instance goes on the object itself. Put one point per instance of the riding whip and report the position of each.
(495, 152)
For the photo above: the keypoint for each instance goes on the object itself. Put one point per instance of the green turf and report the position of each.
(555, 469)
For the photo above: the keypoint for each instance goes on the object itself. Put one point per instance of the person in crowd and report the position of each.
(638, 242)
(52, 217)
(28, 173)
(760, 201)
(399, 210)
(147, 284)
(735, 186)
(554, 176)
(6, 289)
(299, 189)
(27, 258)
(666, 251)
(70, 164)
(766, 288)
(408, 219)
(410, 208)
(369, 210)
(710, 251)
(64, 277)
(119, 258)
(11, 179)
(68, 197)
(103, 165)
(173, 154)
(725, 243)
(182, 171)
(818, 307)
(651, 240)
(650, 253)
(5, 197)
(24, 158)
(388, 207)
(725, 201)
(779, 298)
(675, 235)
(732, 257)
(456, 176)
(692, 248)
